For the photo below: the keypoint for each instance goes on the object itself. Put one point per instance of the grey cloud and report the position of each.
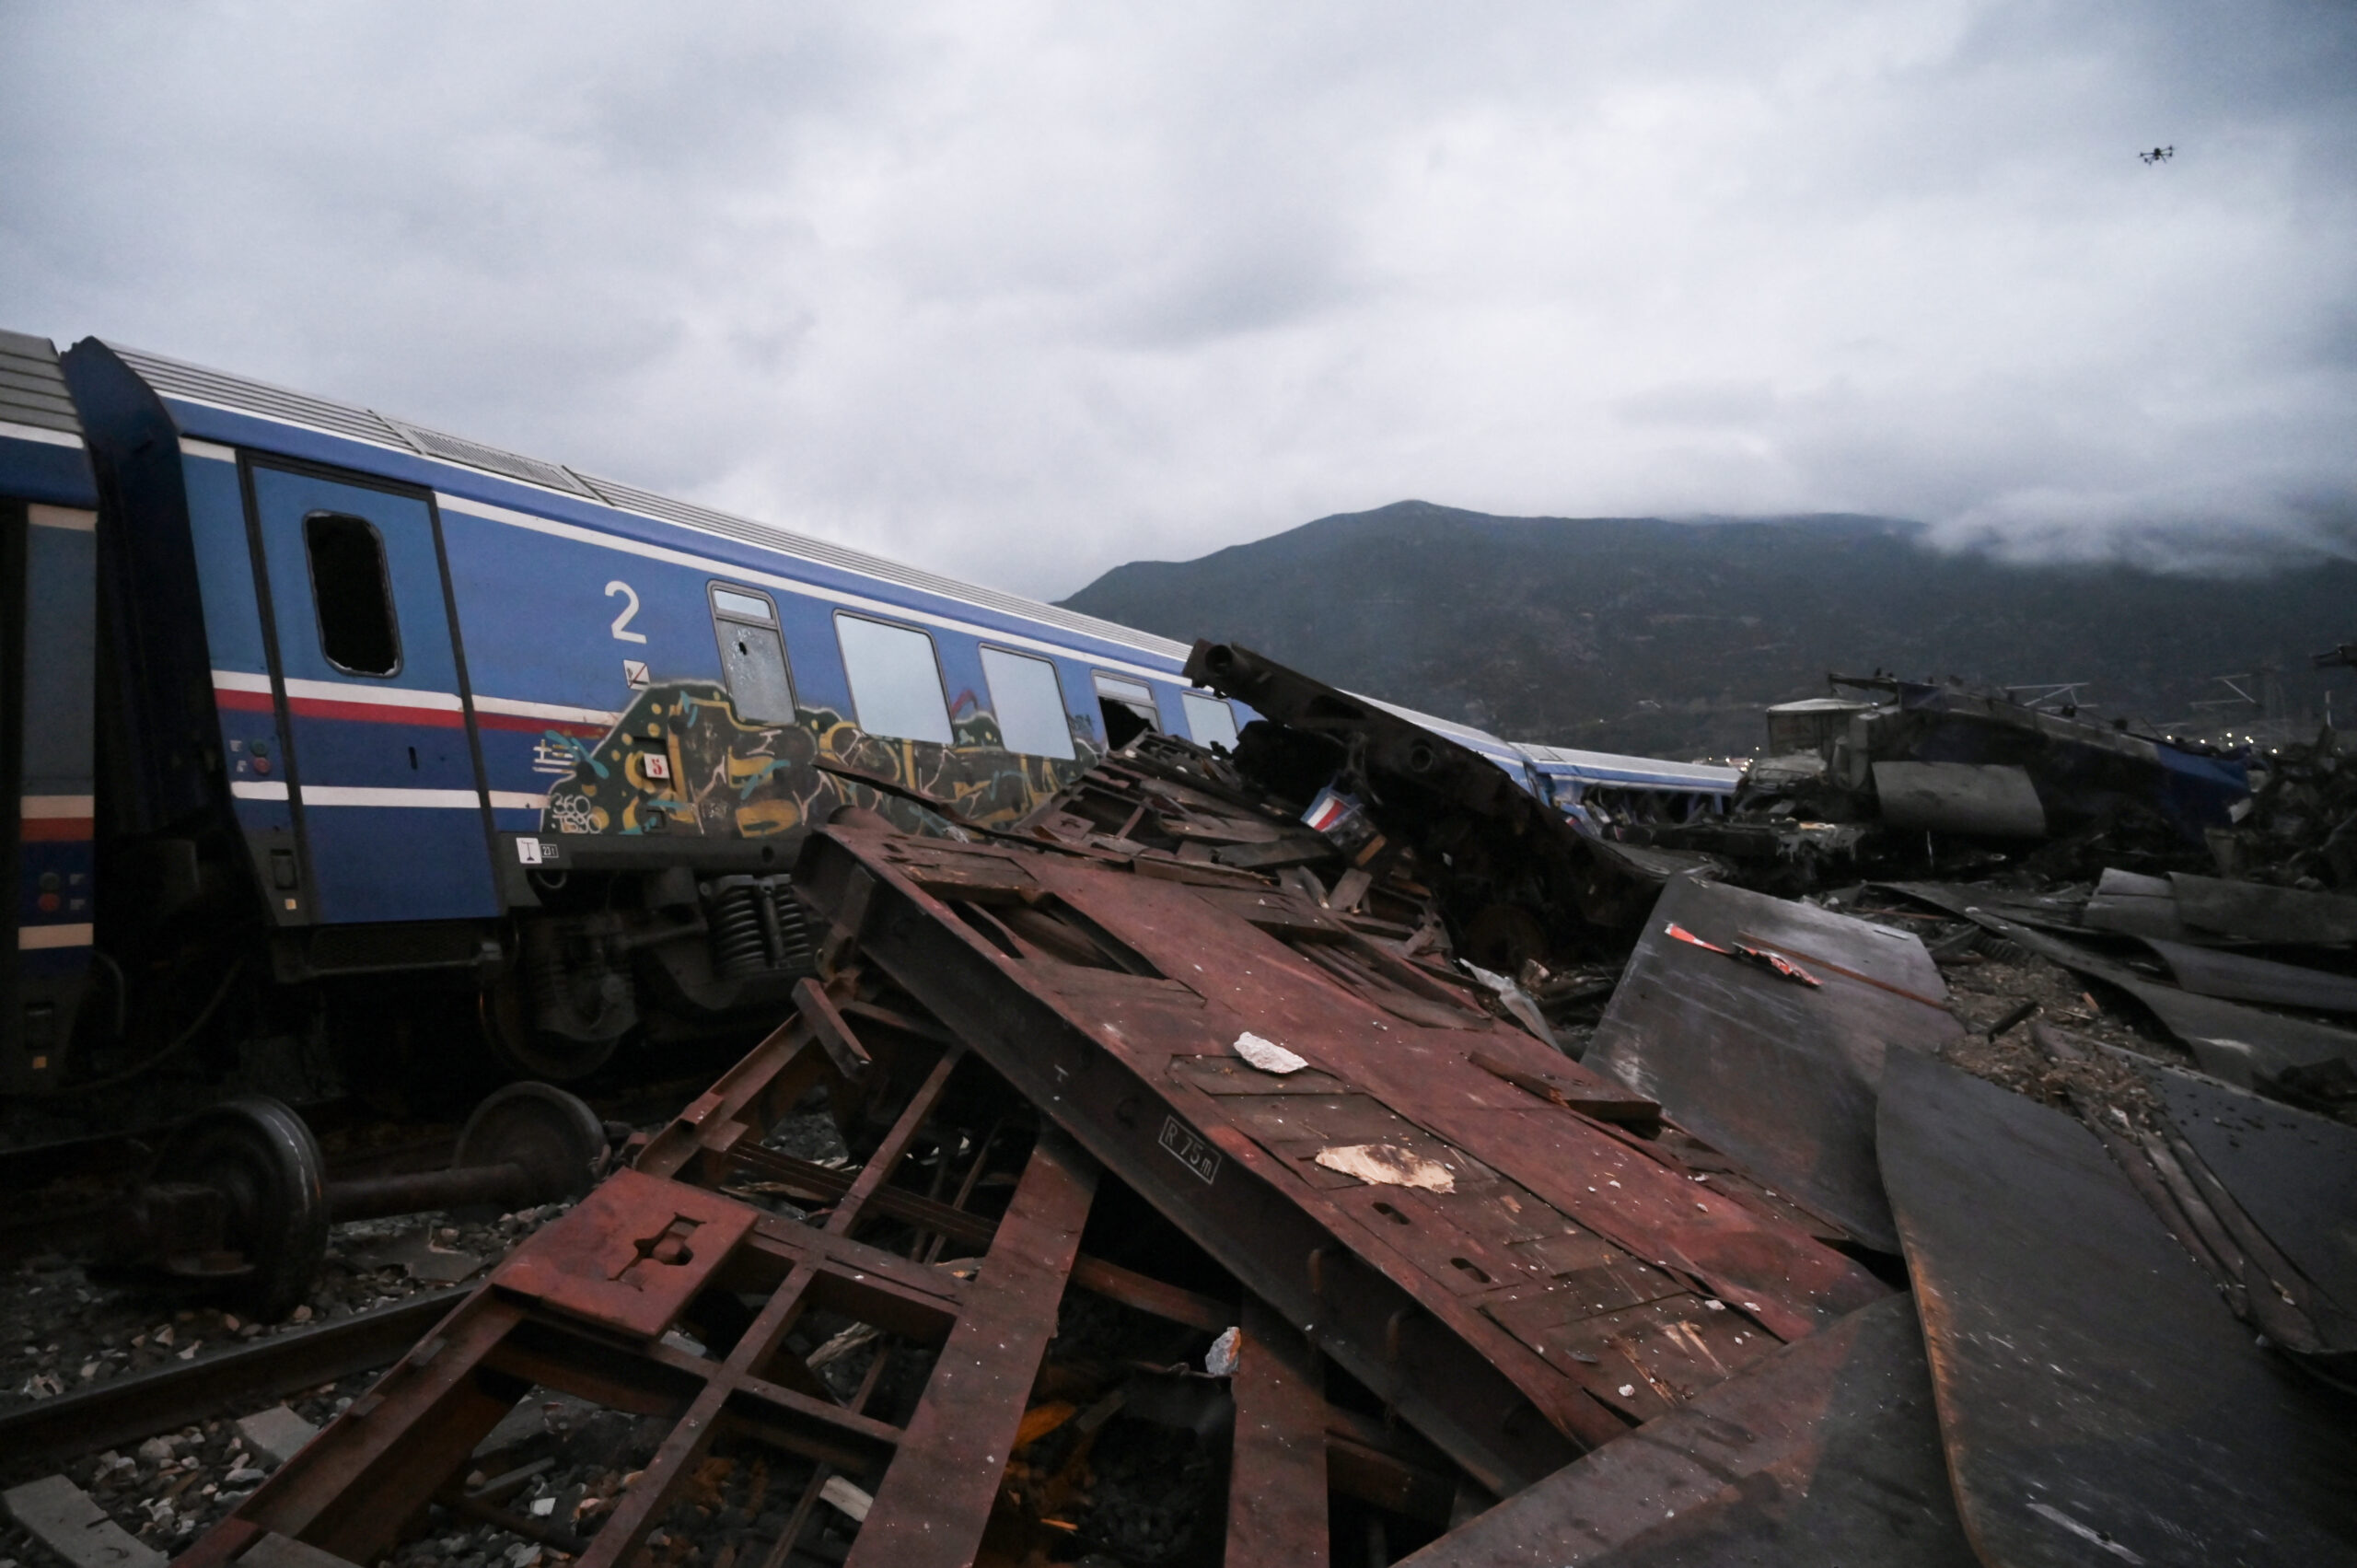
(1030, 289)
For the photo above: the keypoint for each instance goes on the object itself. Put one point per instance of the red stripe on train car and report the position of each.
(377, 713)
(58, 830)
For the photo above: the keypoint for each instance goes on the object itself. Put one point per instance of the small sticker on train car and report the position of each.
(657, 765)
(1192, 1151)
(528, 851)
(635, 672)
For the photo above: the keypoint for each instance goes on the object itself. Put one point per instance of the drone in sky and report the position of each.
(2159, 154)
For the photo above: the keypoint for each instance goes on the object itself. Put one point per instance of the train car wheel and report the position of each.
(262, 1158)
(527, 1053)
(538, 1126)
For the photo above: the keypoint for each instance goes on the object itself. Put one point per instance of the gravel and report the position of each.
(60, 1330)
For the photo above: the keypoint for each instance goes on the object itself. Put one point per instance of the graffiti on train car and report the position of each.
(681, 760)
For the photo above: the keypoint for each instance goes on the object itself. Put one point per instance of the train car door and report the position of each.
(383, 767)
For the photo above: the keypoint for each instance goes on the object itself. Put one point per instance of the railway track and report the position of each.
(233, 1382)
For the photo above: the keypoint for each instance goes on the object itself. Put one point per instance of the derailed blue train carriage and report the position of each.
(401, 740)
(48, 638)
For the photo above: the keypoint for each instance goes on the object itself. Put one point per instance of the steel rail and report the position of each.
(165, 1399)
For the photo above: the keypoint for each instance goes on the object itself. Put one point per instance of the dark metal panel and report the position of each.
(2260, 914)
(2244, 1046)
(2134, 905)
(2098, 1402)
(1827, 1452)
(2242, 978)
(2294, 1174)
(1779, 1075)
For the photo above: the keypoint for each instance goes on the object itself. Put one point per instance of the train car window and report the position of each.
(895, 681)
(752, 659)
(353, 593)
(1128, 707)
(1212, 721)
(1029, 703)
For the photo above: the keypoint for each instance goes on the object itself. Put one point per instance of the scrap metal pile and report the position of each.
(1225, 1188)
(1903, 774)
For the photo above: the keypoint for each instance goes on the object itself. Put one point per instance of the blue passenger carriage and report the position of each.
(454, 742)
(48, 631)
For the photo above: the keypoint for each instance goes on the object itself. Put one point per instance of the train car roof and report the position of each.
(41, 455)
(1652, 772)
(196, 384)
(203, 388)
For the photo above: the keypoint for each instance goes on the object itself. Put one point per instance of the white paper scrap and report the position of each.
(1388, 1165)
(1266, 1054)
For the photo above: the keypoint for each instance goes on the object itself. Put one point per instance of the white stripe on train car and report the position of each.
(31, 939)
(240, 680)
(192, 447)
(354, 795)
(15, 432)
(53, 807)
(557, 711)
(369, 795)
(73, 520)
(706, 564)
(378, 696)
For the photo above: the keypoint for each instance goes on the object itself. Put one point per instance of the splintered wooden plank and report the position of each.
(936, 1494)
(1827, 1452)
(1276, 1490)
(2097, 1399)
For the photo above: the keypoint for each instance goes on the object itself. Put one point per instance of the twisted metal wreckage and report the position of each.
(1754, 1276)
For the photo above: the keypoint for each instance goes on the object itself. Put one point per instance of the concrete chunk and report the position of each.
(62, 1516)
(276, 1434)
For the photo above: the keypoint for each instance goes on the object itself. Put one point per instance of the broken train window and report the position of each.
(1212, 721)
(353, 592)
(752, 656)
(1128, 707)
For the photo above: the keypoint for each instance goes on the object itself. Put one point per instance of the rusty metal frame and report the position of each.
(1091, 1046)
(585, 1307)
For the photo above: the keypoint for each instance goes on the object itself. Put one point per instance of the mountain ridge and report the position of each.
(1654, 635)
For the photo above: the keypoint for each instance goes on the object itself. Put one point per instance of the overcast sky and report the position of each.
(1026, 291)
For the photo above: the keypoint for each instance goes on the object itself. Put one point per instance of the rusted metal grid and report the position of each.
(591, 1307)
(1546, 1280)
